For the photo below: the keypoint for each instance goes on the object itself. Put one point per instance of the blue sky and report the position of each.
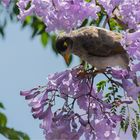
(25, 64)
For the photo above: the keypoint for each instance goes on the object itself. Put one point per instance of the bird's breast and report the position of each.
(120, 60)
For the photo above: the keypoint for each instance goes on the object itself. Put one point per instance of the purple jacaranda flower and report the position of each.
(135, 67)
(38, 98)
(131, 88)
(109, 5)
(59, 14)
(26, 93)
(138, 80)
(131, 43)
(69, 83)
(61, 129)
(127, 9)
(82, 87)
(83, 102)
(130, 12)
(119, 73)
(47, 120)
(62, 124)
(104, 131)
(116, 118)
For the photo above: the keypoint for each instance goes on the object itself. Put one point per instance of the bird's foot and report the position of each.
(89, 73)
(82, 74)
(82, 63)
(91, 69)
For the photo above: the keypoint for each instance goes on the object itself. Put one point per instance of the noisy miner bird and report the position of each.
(98, 46)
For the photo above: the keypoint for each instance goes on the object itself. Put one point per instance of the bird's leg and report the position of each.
(90, 72)
(85, 73)
(91, 69)
(82, 63)
(82, 73)
(104, 70)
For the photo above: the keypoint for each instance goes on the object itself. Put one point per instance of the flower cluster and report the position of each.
(94, 119)
(127, 10)
(59, 14)
(68, 14)
(130, 77)
(109, 5)
(130, 13)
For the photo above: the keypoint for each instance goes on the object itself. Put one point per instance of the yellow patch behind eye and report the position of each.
(65, 44)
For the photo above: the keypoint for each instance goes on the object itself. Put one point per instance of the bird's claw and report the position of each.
(90, 72)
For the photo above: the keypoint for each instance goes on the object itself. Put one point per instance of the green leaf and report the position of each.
(134, 129)
(100, 19)
(123, 111)
(36, 26)
(9, 133)
(23, 135)
(34, 33)
(2, 32)
(28, 5)
(12, 134)
(138, 122)
(126, 124)
(134, 134)
(84, 23)
(44, 39)
(2, 106)
(101, 85)
(3, 119)
(137, 117)
(16, 9)
(122, 124)
(27, 21)
(114, 25)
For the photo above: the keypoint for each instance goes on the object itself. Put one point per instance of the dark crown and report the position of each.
(63, 43)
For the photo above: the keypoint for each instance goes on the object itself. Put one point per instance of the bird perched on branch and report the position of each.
(98, 46)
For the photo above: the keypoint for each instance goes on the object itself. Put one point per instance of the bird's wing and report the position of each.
(101, 42)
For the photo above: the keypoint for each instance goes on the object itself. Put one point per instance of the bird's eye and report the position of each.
(62, 44)
(65, 44)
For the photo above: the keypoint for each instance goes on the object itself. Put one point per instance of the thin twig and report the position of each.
(113, 81)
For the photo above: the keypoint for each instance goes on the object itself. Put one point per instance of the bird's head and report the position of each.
(64, 47)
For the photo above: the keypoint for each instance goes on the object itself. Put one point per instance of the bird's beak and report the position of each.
(67, 56)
